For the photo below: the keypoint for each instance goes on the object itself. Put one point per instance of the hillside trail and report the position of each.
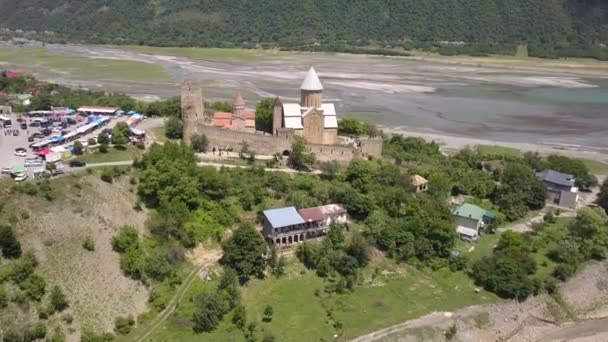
(202, 259)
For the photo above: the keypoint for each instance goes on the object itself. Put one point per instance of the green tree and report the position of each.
(268, 311)
(239, 318)
(229, 284)
(103, 139)
(126, 238)
(120, 134)
(123, 325)
(264, 114)
(300, 158)
(199, 142)
(352, 126)
(602, 197)
(210, 309)
(174, 128)
(245, 252)
(10, 246)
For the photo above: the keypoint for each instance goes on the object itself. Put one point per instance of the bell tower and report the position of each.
(311, 90)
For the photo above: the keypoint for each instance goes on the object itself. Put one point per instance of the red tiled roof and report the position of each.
(222, 115)
(224, 123)
(12, 74)
(311, 214)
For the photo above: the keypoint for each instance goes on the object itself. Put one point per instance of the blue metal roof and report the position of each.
(556, 177)
(283, 217)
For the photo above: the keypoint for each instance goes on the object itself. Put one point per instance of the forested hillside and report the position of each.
(549, 27)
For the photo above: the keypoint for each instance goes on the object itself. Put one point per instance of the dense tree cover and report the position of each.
(174, 128)
(519, 191)
(212, 306)
(245, 252)
(508, 271)
(351, 126)
(602, 197)
(335, 257)
(550, 28)
(264, 115)
(10, 246)
(300, 158)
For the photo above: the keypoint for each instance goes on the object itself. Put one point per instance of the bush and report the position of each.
(199, 142)
(106, 176)
(58, 300)
(92, 142)
(122, 325)
(268, 311)
(27, 188)
(35, 332)
(89, 244)
(451, 332)
(103, 148)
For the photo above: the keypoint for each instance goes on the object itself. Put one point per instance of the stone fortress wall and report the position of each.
(271, 144)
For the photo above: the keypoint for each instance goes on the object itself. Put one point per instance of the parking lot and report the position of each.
(8, 143)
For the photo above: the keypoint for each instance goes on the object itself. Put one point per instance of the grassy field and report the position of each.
(113, 155)
(494, 150)
(82, 66)
(596, 167)
(208, 54)
(303, 311)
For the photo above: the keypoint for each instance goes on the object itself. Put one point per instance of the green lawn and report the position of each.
(596, 167)
(494, 150)
(97, 68)
(113, 155)
(210, 54)
(545, 242)
(301, 306)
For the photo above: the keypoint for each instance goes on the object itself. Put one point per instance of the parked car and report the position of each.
(77, 163)
(38, 135)
(20, 177)
(5, 171)
(23, 125)
(46, 132)
(30, 138)
(20, 152)
(35, 124)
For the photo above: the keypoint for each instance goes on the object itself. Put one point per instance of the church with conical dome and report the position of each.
(316, 121)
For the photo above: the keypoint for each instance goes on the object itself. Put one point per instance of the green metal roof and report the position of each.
(473, 211)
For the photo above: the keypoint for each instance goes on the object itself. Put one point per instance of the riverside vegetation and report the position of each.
(550, 28)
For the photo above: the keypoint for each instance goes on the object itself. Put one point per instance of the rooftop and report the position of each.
(311, 81)
(473, 211)
(418, 180)
(312, 214)
(283, 217)
(556, 177)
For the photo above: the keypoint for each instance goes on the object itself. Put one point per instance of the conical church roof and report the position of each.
(238, 100)
(311, 81)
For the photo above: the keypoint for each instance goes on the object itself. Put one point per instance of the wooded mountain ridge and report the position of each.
(550, 28)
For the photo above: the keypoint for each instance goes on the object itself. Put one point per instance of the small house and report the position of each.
(470, 220)
(419, 184)
(561, 189)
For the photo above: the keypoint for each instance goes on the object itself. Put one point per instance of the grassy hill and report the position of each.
(549, 27)
(82, 207)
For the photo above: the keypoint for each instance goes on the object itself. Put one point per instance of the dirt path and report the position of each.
(150, 327)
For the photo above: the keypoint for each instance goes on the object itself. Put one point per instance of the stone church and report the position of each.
(314, 120)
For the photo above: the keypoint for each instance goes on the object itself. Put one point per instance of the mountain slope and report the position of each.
(542, 24)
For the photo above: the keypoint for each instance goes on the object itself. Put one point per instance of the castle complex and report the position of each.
(311, 118)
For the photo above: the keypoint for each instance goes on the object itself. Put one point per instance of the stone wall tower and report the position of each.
(311, 90)
(277, 116)
(193, 109)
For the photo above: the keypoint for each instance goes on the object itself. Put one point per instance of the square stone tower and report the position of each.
(193, 109)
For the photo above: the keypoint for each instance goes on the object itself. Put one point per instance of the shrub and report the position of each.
(89, 244)
(451, 332)
(58, 300)
(34, 332)
(92, 141)
(122, 325)
(103, 148)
